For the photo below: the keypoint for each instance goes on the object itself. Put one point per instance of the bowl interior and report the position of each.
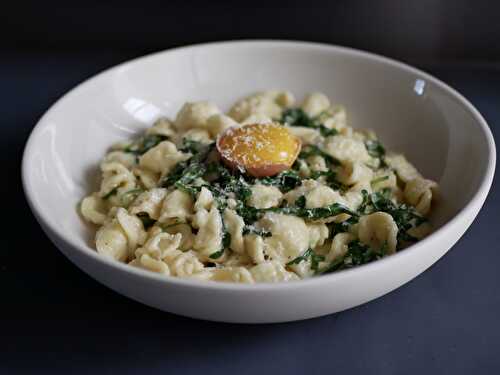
(411, 112)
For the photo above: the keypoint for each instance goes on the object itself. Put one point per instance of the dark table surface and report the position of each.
(57, 320)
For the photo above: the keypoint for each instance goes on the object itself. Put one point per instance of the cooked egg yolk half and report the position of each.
(259, 149)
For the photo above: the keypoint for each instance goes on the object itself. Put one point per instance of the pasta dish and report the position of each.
(269, 191)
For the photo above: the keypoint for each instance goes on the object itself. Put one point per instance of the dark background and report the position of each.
(57, 320)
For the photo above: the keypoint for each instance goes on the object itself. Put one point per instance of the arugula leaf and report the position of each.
(357, 254)
(313, 213)
(248, 229)
(226, 239)
(185, 172)
(194, 147)
(217, 254)
(297, 117)
(308, 254)
(110, 193)
(301, 258)
(375, 148)
(404, 216)
(330, 179)
(285, 181)
(366, 201)
(147, 222)
(248, 213)
(312, 150)
(301, 201)
(341, 227)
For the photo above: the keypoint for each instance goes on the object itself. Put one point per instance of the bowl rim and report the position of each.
(476, 200)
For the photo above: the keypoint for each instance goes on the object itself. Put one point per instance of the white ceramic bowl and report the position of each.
(439, 130)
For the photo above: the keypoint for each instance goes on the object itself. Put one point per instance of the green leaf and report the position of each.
(297, 117)
(144, 144)
(330, 179)
(312, 150)
(217, 254)
(313, 213)
(226, 239)
(110, 193)
(301, 258)
(301, 201)
(375, 148)
(147, 222)
(285, 181)
(405, 217)
(191, 146)
(249, 229)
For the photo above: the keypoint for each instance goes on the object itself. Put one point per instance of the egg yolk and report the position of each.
(259, 149)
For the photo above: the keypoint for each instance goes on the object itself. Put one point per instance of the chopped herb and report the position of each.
(190, 189)
(147, 222)
(144, 144)
(341, 227)
(297, 117)
(313, 213)
(226, 239)
(110, 193)
(312, 150)
(308, 254)
(248, 213)
(301, 201)
(184, 173)
(330, 179)
(366, 201)
(248, 229)
(217, 254)
(404, 216)
(301, 258)
(251, 214)
(194, 147)
(335, 265)
(375, 148)
(285, 181)
(356, 255)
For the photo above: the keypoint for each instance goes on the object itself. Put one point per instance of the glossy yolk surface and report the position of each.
(259, 149)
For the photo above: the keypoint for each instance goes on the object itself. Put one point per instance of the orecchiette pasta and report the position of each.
(115, 177)
(149, 202)
(171, 202)
(265, 103)
(403, 168)
(93, 209)
(195, 115)
(209, 237)
(346, 149)
(315, 103)
(378, 230)
(271, 271)
(419, 193)
(176, 205)
(234, 226)
(264, 196)
(290, 236)
(162, 158)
